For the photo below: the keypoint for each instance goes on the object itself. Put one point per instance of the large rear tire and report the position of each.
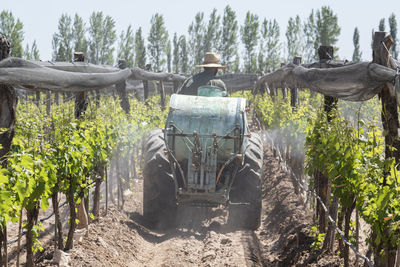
(247, 188)
(159, 203)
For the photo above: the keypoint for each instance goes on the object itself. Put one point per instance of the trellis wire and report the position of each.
(288, 168)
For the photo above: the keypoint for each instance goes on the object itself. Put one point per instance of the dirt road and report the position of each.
(203, 238)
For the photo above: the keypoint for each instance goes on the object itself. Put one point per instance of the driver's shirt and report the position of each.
(190, 86)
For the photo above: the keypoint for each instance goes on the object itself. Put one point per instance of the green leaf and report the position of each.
(3, 178)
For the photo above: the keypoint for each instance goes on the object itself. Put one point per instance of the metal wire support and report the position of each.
(288, 168)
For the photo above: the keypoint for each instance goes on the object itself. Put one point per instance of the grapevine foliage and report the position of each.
(58, 153)
(349, 149)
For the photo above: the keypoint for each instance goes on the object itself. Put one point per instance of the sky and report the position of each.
(40, 17)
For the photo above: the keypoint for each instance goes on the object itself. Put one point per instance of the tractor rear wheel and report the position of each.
(159, 203)
(247, 188)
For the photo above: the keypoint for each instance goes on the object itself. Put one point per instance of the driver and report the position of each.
(211, 65)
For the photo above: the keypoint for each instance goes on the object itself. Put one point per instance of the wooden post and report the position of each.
(121, 89)
(8, 100)
(390, 122)
(37, 98)
(176, 87)
(58, 231)
(284, 91)
(96, 197)
(162, 94)
(357, 235)
(294, 93)
(330, 236)
(80, 108)
(105, 167)
(111, 178)
(19, 236)
(330, 104)
(48, 103)
(80, 98)
(56, 98)
(146, 85)
(390, 118)
(98, 96)
(133, 159)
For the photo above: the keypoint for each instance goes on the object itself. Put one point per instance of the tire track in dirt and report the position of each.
(252, 249)
(198, 241)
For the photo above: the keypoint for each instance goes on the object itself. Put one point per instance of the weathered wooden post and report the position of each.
(390, 118)
(176, 87)
(294, 102)
(390, 122)
(8, 100)
(330, 106)
(98, 96)
(48, 103)
(80, 97)
(80, 108)
(325, 53)
(56, 98)
(162, 94)
(284, 91)
(330, 103)
(294, 93)
(37, 101)
(106, 178)
(121, 89)
(146, 85)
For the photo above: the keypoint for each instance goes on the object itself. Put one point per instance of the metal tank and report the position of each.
(203, 135)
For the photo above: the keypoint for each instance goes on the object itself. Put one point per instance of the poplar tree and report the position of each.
(393, 33)
(294, 42)
(196, 40)
(309, 30)
(175, 54)
(183, 55)
(249, 33)
(212, 32)
(79, 35)
(102, 37)
(356, 42)
(269, 54)
(228, 41)
(327, 27)
(169, 56)
(12, 29)
(323, 27)
(157, 42)
(382, 25)
(126, 46)
(140, 49)
(63, 40)
(235, 66)
(32, 53)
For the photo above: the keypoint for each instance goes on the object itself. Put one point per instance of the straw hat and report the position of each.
(211, 60)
